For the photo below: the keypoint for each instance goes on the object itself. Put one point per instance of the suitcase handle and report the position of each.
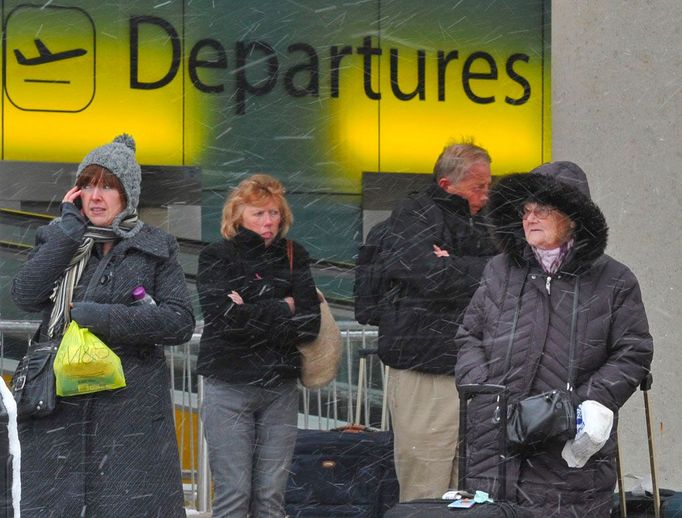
(646, 383)
(645, 386)
(466, 392)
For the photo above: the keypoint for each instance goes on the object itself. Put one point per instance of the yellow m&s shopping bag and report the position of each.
(84, 364)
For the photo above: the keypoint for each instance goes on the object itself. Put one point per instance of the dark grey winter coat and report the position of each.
(613, 345)
(112, 453)
(428, 294)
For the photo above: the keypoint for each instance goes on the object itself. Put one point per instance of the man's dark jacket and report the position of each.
(427, 294)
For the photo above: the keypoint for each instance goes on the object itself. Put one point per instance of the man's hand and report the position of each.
(440, 252)
(236, 297)
(292, 304)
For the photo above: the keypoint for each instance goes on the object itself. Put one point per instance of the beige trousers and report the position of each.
(425, 419)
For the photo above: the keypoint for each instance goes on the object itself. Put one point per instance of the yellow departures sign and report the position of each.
(76, 75)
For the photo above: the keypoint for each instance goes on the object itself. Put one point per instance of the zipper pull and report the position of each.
(547, 285)
(496, 413)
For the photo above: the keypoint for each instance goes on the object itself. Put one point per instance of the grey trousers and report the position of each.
(251, 433)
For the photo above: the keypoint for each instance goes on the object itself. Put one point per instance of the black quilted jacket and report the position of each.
(613, 345)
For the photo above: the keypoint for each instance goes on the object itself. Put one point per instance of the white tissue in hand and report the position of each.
(591, 435)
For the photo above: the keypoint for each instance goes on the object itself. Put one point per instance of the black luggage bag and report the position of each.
(662, 503)
(642, 506)
(348, 471)
(438, 508)
(342, 473)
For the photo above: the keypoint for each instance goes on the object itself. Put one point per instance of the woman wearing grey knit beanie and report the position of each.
(112, 453)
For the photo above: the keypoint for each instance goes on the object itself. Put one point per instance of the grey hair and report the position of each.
(456, 159)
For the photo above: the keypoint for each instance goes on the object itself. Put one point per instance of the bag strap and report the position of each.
(515, 321)
(572, 339)
(571, 344)
(290, 255)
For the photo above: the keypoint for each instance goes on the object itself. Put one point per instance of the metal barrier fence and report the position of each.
(357, 395)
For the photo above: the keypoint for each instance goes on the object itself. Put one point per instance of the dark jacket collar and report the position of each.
(448, 202)
(252, 244)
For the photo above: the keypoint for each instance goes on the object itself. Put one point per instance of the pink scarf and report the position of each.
(551, 260)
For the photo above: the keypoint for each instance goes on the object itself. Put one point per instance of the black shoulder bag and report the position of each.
(33, 384)
(550, 415)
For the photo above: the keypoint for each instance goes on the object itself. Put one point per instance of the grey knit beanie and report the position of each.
(119, 158)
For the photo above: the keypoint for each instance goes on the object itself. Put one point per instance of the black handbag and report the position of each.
(33, 384)
(547, 416)
(536, 419)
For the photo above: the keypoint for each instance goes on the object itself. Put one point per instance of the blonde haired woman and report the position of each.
(259, 302)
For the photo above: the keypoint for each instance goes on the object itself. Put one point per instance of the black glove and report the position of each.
(92, 315)
(72, 221)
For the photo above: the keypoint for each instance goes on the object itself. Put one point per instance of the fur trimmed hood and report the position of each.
(562, 185)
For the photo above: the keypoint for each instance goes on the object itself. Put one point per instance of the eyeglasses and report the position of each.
(539, 211)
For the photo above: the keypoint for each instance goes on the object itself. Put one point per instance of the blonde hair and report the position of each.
(257, 190)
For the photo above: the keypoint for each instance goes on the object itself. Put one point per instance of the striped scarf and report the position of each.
(63, 290)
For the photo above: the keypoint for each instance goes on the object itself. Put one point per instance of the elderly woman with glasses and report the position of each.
(553, 311)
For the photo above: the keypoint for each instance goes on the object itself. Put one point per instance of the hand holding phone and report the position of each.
(73, 195)
(73, 220)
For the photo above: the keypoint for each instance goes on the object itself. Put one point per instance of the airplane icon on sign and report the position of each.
(50, 58)
(45, 55)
